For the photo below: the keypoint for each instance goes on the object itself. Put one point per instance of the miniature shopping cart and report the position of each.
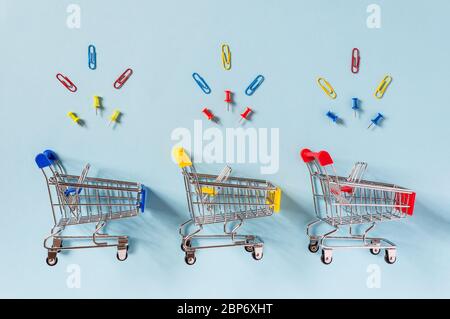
(77, 200)
(351, 201)
(223, 199)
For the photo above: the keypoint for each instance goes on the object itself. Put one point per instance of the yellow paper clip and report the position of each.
(97, 103)
(74, 117)
(114, 117)
(226, 57)
(326, 87)
(379, 92)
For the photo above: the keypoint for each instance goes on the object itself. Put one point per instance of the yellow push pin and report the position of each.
(114, 117)
(97, 103)
(74, 117)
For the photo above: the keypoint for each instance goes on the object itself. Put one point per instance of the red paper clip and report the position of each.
(66, 82)
(123, 78)
(245, 114)
(208, 113)
(355, 60)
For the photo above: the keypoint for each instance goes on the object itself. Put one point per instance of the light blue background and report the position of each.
(290, 43)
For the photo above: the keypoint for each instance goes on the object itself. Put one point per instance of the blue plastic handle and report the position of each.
(332, 116)
(143, 198)
(72, 191)
(355, 105)
(46, 158)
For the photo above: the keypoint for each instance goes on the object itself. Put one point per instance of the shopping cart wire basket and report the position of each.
(79, 199)
(351, 201)
(223, 199)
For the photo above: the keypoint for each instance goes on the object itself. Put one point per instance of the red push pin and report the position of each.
(208, 114)
(228, 98)
(245, 114)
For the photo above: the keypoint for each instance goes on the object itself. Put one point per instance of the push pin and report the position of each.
(355, 104)
(208, 114)
(332, 116)
(74, 118)
(376, 121)
(114, 117)
(245, 114)
(97, 103)
(228, 99)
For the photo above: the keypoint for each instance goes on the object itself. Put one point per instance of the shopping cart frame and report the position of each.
(57, 180)
(383, 209)
(195, 183)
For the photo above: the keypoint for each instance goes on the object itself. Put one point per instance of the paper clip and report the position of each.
(226, 57)
(123, 78)
(66, 82)
(379, 92)
(355, 60)
(92, 57)
(254, 85)
(201, 83)
(327, 88)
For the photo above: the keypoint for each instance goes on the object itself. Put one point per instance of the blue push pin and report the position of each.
(332, 116)
(376, 121)
(355, 104)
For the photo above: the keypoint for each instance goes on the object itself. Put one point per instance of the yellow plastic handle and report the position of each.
(181, 157)
(226, 57)
(379, 92)
(211, 191)
(274, 199)
(96, 101)
(326, 87)
(73, 116)
(115, 115)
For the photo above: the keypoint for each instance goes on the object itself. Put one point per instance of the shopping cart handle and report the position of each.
(72, 191)
(46, 158)
(323, 157)
(143, 198)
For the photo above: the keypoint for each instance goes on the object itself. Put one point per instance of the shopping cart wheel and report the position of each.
(249, 249)
(257, 253)
(51, 261)
(190, 259)
(327, 256)
(122, 254)
(313, 247)
(390, 256)
(188, 244)
(257, 256)
(375, 250)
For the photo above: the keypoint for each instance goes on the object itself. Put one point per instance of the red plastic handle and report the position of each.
(323, 157)
(228, 96)
(208, 113)
(246, 113)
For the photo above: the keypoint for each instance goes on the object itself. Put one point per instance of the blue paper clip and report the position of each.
(201, 83)
(254, 85)
(92, 57)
